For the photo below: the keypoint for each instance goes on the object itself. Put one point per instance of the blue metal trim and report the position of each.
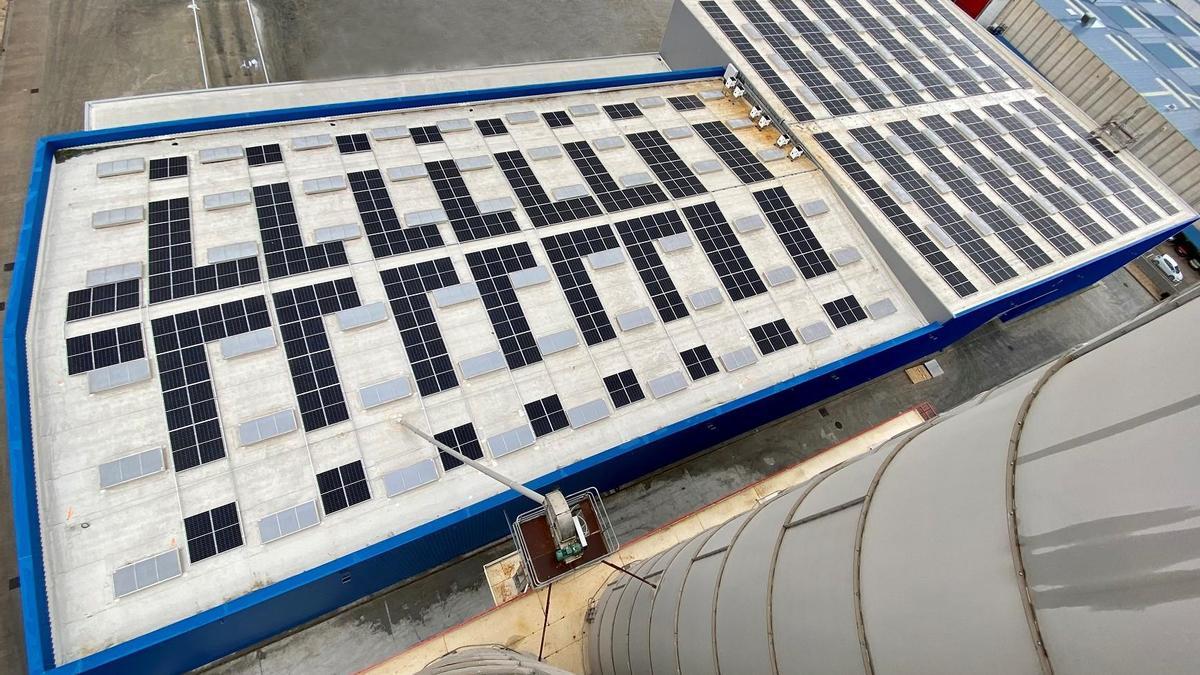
(27, 531)
(35, 616)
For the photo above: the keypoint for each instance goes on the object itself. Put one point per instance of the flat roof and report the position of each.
(298, 388)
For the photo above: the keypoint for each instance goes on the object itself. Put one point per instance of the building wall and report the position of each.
(1094, 87)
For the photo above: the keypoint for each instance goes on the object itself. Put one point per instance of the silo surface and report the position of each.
(1051, 524)
(489, 660)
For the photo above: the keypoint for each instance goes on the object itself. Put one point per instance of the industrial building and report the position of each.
(1134, 66)
(216, 321)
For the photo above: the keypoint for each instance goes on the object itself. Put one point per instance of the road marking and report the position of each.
(261, 57)
(199, 42)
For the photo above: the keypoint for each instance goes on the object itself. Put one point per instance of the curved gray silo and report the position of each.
(489, 660)
(1051, 524)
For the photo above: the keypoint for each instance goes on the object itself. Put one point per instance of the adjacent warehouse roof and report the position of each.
(1136, 63)
(1153, 46)
(225, 321)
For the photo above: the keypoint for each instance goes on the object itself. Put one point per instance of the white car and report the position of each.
(1169, 267)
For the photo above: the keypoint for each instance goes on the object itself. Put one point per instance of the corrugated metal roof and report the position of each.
(1145, 43)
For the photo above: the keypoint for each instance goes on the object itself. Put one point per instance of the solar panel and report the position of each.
(565, 252)
(699, 362)
(772, 79)
(639, 235)
(310, 360)
(797, 237)
(120, 167)
(773, 336)
(983, 46)
(259, 155)
(931, 50)
(546, 415)
(979, 204)
(685, 103)
(844, 311)
(537, 204)
(350, 144)
(724, 251)
(984, 72)
(104, 348)
(1062, 169)
(266, 427)
(187, 389)
(1051, 192)
(885, 36)
(622, 111)
(557, 118)
(491, 268)
(407, 289)
(343, 487)
(815, 332)
(491, 127)
(808, 72)
(283, 247)
(1088, 160)
(212, 532)
(1130, 175)
(103, 299)
(979, 251)
(896, 214)
(168, 167)
(612, 196)
(732, 152)
(662, 159)
(463, 439)
(465, 219)
(849, 37)
(818, 39)
(171, 273)
(623, 388)
(386, 234)
(425, 135)
(1038, 218)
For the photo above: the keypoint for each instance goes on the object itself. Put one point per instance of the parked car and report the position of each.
(1169, 267)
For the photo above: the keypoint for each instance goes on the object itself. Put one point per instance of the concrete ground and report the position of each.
(57, 54)
(374, 629)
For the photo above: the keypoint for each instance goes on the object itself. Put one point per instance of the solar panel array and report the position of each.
(994, 185)
(547, 269)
